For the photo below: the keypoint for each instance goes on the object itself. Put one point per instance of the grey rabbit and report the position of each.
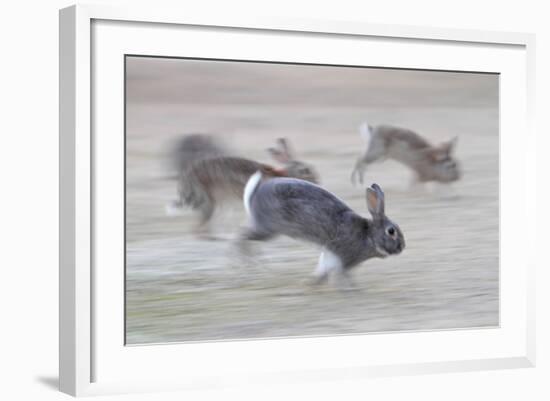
(208, 182)
(429, 162)
(303, 210)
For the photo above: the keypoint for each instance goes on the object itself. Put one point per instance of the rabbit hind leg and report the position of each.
(206, 210)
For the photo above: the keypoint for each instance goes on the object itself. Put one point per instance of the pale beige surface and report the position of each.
(182, 288)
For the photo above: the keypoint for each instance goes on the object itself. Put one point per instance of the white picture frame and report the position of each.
(82, 345)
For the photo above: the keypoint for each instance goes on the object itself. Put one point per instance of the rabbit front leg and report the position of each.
(247, 255)
(444, 191)
(330, 265)
(328, 262)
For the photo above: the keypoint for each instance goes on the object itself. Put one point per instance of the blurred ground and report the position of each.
(181, 288)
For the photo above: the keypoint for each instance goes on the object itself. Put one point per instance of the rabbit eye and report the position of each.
(391, 231)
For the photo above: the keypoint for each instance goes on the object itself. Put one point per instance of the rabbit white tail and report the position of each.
(365, 131)
(250, 188)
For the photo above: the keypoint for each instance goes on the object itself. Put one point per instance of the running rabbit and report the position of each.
(208, 182)
(429, 162)
(302, 210)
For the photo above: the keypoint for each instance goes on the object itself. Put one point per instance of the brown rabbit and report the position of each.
(429, 162)
(208, 182)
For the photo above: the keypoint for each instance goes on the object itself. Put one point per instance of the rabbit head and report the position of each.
(386, 235)
(444, 167)
(293, 168)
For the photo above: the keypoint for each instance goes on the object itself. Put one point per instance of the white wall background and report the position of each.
(29, 184)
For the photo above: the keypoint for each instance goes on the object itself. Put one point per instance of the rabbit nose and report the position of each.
(400, 246)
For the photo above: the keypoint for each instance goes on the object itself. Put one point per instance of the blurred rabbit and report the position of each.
(209, 181)
(190, 148)
(429, 162)
(292, 167)
(302, 210)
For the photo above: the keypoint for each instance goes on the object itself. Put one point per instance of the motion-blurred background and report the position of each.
(181, 288)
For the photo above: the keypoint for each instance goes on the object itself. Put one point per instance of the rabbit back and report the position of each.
(298, 209)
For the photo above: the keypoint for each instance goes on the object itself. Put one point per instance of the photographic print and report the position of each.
(276, 200)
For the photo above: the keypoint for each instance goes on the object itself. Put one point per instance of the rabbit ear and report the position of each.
(278, 155)
(285, 148)
(449, 145)
(375, 200)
